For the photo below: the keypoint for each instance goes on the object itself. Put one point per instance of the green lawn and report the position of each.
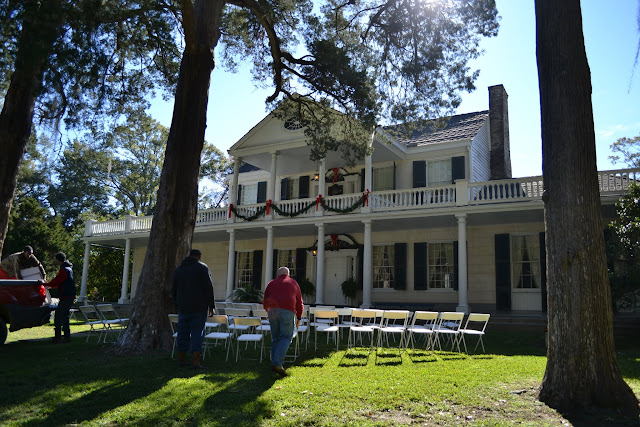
(62, 384)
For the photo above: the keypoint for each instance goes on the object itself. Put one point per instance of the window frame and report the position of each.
(432, 165)
(529, 272)
(290, 263)
(391, 267)
(451, 267)
(243, 273)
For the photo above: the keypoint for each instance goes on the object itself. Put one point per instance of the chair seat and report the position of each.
(250, 337)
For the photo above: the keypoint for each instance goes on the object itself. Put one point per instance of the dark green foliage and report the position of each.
(106, 266)
(628, 148)
(306, 287)
(247, 294)
(350, 288)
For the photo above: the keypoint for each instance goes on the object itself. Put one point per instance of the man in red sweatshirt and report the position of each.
(67, 294)
(283, 302)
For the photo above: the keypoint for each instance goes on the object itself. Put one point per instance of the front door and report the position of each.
(338, 267)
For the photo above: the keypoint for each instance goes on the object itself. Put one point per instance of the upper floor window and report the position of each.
(249, 194)
(244, 270)
(383, 178)
(383, 268)
(287, 258)
(439, 172)
(293, 188)
(525, 261)
(440, 265)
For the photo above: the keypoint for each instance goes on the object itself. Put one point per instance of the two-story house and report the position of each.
(434, 220)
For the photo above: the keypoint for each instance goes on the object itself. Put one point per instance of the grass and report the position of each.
(81, 383)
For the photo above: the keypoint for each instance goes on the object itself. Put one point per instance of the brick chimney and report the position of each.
(500, 159)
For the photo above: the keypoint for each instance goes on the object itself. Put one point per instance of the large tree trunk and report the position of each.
(582, 370)
(175, 215)
(40, 30)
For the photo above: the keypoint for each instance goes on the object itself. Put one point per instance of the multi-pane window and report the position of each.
(440, 265)
(525, 261)
(293, 188)
(287, 258)
(383, 178)
(439, 172)
(249, 194)
(383, 269)
(244, 271)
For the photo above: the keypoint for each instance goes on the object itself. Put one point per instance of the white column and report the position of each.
(233, 189)
(322, 171)
(320, 266)
(85, 273)
(271, 194)
(231, 263)
(368, 174)
(125, 273)
(367, 278)
(462, 264)
(268, 270)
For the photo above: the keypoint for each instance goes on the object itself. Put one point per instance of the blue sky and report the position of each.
(611, 40)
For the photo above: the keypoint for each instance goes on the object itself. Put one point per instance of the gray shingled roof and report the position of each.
(454, 128)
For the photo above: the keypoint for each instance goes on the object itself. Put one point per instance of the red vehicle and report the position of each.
(22, 305)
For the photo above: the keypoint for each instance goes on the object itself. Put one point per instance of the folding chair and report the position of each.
(219, 335)
(220, 307)
(393, 322)
(448, 326)
(173, 321)
(249, 335)
(423, 324)
(344, 319)
(93, 319)
(475, 325)
(359, 327)
(320, 317)
(111, 320)
(233, 314)
(265, 326)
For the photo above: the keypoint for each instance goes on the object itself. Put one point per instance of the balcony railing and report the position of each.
(462, 193)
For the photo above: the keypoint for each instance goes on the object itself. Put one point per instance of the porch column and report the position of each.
(320, 266)
(268, 270)
(85, 273)
(367, 255)
(125, 273)
(462, 263)
(272, 179)
(233, 190)
(322, 171)
(231, 262)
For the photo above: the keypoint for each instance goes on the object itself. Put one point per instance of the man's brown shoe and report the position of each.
(279, 370)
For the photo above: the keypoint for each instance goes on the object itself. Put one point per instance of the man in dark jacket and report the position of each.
(193, 297)
(66, 293)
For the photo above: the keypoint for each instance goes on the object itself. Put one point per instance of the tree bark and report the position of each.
(175, 215)
(40, 29)
(582, 370)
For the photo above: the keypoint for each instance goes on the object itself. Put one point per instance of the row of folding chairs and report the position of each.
(377, 327)
(222, 307)
(103, 320)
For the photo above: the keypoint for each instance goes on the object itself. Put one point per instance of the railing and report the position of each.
(462, 193)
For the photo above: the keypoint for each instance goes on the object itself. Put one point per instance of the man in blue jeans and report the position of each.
(193, 297)
(283, 302)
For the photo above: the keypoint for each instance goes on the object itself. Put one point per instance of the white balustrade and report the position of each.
(212, 216)
(505, 190)
(617, 180)
(293, 206)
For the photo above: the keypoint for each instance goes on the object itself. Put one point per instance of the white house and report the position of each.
(434, 221)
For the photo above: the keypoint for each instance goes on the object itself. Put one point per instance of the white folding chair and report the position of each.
(221, 334)
(233, 314)
(173, 321)
(359, 327)
(329, 328)
(344, 319)
(93, 319)
(475, 325)
(249, 334)
(393, 322)
(220, 307)
(448, 326)
(423, 325)
(111, 320)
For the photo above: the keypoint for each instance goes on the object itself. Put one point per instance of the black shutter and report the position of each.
(457, 168)
(419, 266)
(400, 265)
(262, 192)
(303, 188)
(543, 271)
(275, 266)
(235, 268)
(503, 272)
(362, 181)
(301, 264)
(239, 199)
(284, 185)
(456, 265)
(419, 174)
(256, 276)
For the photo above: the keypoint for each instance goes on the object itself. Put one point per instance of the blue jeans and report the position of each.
(282, 324)
(190, 328)
(61, 316)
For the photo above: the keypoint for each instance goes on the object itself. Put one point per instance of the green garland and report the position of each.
(261, 211)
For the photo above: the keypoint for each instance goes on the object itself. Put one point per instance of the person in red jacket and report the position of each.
(283, 302)
(66, 293)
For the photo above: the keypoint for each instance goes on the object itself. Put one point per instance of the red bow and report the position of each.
(318, 200)
(268, 206)
(335, 175)
(334, 240)
(230, 208)
(365, 196)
